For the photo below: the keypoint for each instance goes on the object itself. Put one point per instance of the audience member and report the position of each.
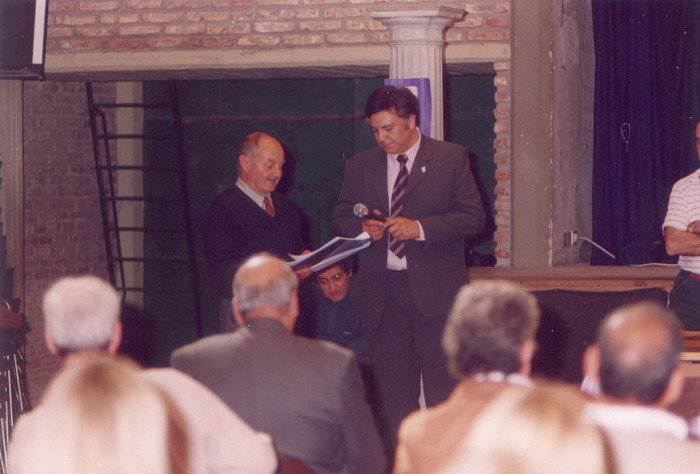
(307, 394)
(250, 217)
(533, 431)
(489, 343)
(636, 364)
(100, 416)
(81, 317)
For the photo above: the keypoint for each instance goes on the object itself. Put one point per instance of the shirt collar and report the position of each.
(251, 193)
(410, 153)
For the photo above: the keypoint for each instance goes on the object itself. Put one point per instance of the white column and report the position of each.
(416, 39)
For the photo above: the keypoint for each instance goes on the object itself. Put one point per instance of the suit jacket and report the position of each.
(442, 195)
(308, 395)
(235, 228)
(429, 439)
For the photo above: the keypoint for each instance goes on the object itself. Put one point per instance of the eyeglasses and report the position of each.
(327, 281)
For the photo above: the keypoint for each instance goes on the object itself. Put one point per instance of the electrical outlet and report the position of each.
(570, 238)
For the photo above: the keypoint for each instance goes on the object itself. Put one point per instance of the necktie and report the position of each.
(268, 206)
(397, 195)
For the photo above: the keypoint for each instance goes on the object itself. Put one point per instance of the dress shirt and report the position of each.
(258, 198)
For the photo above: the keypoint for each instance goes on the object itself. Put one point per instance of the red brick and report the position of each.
(141, 4)
(185, 30)
(346, 38)
(307, 13)
(110, 18)
(259, 40)
(167, 42)
(209, 42)
(320, 25)
(75, 19)
(162, 17)
(344, 12)
(231, 3)
(186, 4)
(488, 7)
(228, 29)
(500, 21)
(139, 30)
(208, 16)
(273, 27)
(94, 31)
(57, 6)
(125, 43)
(98, 6)
(302, 40)
(488, 35)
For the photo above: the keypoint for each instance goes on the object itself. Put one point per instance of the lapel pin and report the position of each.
(422, 169)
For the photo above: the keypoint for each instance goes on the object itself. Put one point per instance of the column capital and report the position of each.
(425, 24)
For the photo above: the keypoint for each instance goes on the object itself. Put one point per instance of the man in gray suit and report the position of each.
(409, 276)
(308, 395)
(635, 374)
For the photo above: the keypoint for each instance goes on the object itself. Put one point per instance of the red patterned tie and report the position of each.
(397, 194)
(268, 206)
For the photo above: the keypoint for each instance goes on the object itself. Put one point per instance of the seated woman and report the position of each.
(533, 431)
(98, 416)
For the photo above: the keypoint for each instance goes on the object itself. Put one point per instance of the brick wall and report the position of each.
(63, 228)
(127, 25)
(62, 219)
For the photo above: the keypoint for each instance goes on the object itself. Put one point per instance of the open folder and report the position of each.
(331, 252)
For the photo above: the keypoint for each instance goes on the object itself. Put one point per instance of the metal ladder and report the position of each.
(151, 257)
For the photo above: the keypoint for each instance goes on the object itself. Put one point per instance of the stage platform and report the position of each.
(583, 277)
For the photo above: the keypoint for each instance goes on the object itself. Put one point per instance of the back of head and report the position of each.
(640, 347)
(99, 416)
(399, 99)
(80, 313)
(263, 281)
(532, 431)
(487, 326)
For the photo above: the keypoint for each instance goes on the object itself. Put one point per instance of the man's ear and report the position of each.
(591, 362)
(116, 339)
(50, 344)
(244, 162)
(674, 389)
(237, 315)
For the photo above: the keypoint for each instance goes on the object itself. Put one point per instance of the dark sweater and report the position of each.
(235, 227)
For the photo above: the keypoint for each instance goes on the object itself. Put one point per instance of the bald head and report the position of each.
(265, 286)
(640, 347)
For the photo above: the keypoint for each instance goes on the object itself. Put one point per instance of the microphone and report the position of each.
(360, 210)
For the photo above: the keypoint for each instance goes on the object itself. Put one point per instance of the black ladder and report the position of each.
(148, 227)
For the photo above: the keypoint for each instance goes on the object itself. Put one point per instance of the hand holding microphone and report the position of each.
(372, 222)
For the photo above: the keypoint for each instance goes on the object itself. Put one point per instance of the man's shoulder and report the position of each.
(691, 180)
(207, 345)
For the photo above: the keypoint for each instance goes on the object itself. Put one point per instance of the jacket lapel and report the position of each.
(420, 166)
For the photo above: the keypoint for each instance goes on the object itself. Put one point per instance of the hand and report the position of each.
(375, 229)
(694, 227)
(402, 228)
(304, 271)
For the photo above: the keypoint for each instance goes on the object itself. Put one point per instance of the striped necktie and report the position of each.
(397, 195)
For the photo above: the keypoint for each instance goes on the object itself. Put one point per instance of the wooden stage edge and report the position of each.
(583, 277)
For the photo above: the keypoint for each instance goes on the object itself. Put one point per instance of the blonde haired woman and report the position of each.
(99, 416)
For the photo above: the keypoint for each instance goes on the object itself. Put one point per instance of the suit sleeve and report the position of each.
(364, 448)
(464, 217)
